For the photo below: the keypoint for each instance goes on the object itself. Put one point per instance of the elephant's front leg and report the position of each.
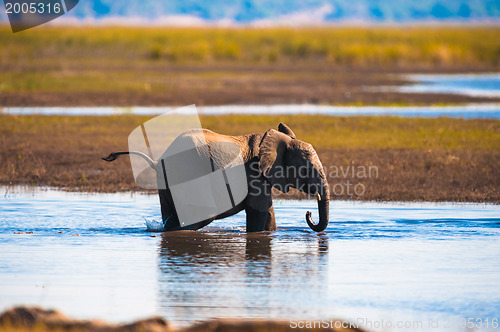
(259, 206)
(258, 221)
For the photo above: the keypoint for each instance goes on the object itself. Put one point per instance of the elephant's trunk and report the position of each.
(323, 209)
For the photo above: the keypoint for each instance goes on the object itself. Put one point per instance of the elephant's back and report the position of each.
(202, 136)
(206, 144)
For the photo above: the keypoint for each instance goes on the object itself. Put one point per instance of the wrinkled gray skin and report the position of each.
(265, 157)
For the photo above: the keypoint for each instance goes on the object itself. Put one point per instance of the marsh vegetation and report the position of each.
(212, 66)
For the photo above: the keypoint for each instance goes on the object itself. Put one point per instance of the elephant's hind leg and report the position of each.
(168, 213)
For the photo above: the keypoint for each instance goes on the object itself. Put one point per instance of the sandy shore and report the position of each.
(40, 320)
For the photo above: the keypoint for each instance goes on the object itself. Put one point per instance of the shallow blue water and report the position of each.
(470, 111)
(408, 262)
(475, 85)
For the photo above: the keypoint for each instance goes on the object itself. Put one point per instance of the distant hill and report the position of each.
(289, 11)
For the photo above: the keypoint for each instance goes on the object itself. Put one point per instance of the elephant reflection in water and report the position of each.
(227, 274)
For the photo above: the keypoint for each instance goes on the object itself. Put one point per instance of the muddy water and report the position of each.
(91, 257)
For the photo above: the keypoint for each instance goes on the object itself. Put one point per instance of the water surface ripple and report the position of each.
(90, 256)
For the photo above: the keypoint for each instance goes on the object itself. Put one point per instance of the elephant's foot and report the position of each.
(258, 221)
(171, 223)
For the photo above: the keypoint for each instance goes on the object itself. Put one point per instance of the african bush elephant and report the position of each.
(271, 159)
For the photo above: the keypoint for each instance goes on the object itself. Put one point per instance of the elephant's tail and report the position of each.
(114, 156)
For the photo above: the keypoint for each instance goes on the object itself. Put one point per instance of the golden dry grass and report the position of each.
(444, 46)
(178, 66)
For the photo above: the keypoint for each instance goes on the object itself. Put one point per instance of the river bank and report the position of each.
(411, 159)
(23, 319)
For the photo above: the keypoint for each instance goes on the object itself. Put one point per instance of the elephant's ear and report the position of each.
(286, 130)
(272, 151)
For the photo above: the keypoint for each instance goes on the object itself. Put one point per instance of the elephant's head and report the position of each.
(287, 162)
